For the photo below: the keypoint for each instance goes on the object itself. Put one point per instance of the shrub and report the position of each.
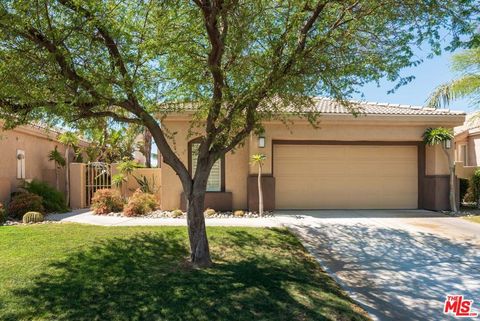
(3, 214)
(32, 217)
(23, 203)
(140, 204)
(475, 187)
(53, 200)
(209, 212)
(239, 213)
(105, 201)
(176, 213)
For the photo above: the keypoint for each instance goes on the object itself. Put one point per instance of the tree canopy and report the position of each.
(236, 62)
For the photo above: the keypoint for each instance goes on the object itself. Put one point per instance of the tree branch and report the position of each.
(111, 45)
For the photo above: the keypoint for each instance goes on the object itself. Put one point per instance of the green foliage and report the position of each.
(69, 139)
(209, 212)
(176, 213)
(56, 157)
(258, 159)
(23, 203)
(52, 199)
(467, 64)
(127, 166)
(3, 214)
(263, 55)
(145, 185)
(110, 142)
(140, 203)
(475, 185)
(105, 201)
(32, 217)
(118, 180)
(434, 136)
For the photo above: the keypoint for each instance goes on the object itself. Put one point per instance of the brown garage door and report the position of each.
(345, 176)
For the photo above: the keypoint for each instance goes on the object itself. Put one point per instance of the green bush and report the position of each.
(32, 217)
(140, 204)
(53, 200)
(105, 201)
(3, 214)
(23, 203)
(474, 187)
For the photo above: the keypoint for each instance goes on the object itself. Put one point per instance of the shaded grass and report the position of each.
(77, 272)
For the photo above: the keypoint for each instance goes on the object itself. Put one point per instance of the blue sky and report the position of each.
(428, 75)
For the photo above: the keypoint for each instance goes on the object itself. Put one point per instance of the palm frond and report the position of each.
(464, 86)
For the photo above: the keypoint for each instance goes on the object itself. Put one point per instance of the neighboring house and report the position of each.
(467, 141)
(374, 161)
(24, 156)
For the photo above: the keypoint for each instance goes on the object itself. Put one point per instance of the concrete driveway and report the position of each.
(399, 265)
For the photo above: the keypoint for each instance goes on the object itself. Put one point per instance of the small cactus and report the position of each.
(239, 213)
(176, 213)
(209, 212)
(32, 217)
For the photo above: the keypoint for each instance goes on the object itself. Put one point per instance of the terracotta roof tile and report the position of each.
(331, 106)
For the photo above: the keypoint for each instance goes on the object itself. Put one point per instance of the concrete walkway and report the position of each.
(399, 265)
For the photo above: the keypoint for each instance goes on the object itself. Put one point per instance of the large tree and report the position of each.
(238, 63)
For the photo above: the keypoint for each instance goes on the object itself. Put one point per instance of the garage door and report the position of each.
(345, 177)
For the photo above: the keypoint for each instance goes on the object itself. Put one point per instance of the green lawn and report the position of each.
(77, 272)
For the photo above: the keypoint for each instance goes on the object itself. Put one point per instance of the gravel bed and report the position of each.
(14, 222)
(176, 214)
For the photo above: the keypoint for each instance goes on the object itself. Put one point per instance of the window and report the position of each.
(20, 164)
(214, 183)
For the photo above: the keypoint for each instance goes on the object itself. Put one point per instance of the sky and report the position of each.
(428, 75)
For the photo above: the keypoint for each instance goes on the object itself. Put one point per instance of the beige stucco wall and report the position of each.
(236, 168)
(37, 144)
(331, 127)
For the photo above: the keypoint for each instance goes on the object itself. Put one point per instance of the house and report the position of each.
(374, 161)
(24, 156)
(467, 141)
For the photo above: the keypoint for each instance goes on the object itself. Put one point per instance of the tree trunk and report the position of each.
(199, 249)
(452, 198)
(147, 147)
(57, 179)
(67, 175)
(260, 191)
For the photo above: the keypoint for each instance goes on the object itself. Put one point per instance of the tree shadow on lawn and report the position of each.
(145, 277)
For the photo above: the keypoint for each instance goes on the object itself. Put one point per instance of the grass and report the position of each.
(78, 272)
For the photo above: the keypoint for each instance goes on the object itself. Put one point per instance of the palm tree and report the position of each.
(258, 159)
(467, 64)
(59, 161)
(440, 135)
(70, 140)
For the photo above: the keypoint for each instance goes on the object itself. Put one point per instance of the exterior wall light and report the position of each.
(261, 141)
(448, 144)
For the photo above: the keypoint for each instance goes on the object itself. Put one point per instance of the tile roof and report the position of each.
(331, 106)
